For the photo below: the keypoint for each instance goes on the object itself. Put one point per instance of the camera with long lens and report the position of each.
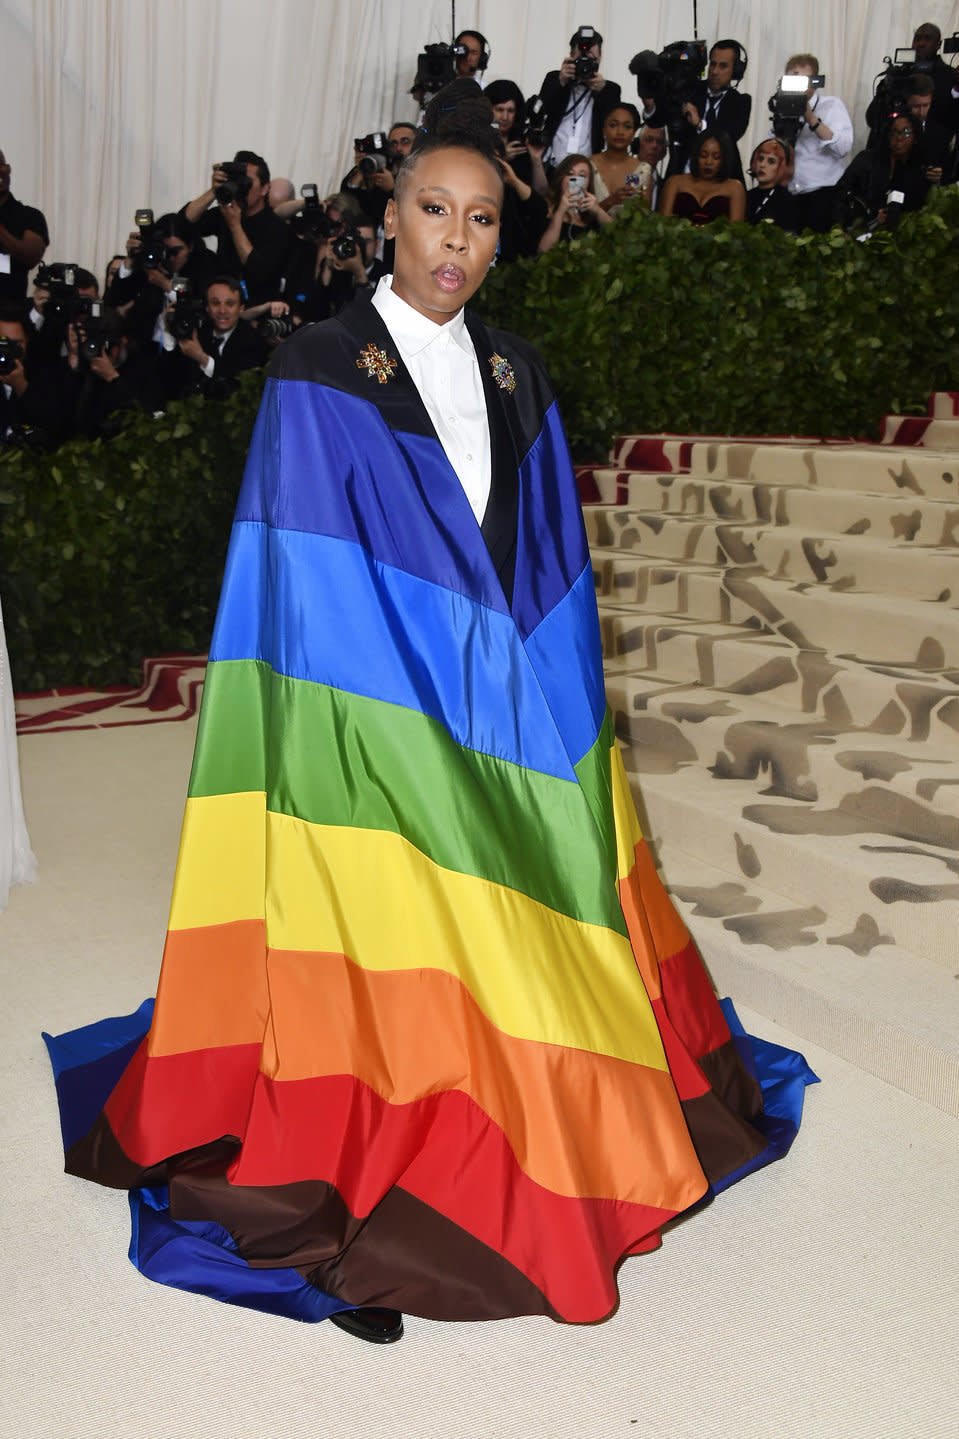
(237, 185)
(184, 312)
(669, 79)
(11, 354)
(346, 245)
(891, 88)
(64, 304)
(373, 152)
(586, 64)
(436, 67)
(276, 327)
(312, 223)
(788, 106)
(534, 126)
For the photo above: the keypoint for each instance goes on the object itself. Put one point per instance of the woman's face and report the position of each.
(767, 165)
(710, 160)
(445, 221)
(504, 114)
(901, 137)
(618, 129)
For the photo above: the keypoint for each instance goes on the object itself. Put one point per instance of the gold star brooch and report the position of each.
(376, 363)
(503, 373)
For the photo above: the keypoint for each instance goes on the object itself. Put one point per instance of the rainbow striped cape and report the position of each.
(429, 1032)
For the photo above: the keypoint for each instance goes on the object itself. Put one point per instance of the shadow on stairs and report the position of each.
(780, 626)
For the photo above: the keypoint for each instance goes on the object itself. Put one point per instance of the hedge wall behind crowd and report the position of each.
(113, 550)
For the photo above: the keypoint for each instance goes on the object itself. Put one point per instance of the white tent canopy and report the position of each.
(109, 105)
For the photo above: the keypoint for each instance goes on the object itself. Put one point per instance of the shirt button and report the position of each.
(470, 458)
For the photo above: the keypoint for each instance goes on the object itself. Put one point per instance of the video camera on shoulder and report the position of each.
(788, 105)
(891, 87)
(237, 185)
(669, 79)
(373, 152)
(436, 67)
(11, 354)
(151, 254)
(184, 312)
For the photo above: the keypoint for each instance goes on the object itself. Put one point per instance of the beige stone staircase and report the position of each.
(780, 625)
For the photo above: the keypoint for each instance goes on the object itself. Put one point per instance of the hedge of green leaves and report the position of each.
(114, 550)
(655, 324)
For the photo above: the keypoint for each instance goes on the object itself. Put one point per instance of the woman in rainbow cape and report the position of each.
(429, 1035)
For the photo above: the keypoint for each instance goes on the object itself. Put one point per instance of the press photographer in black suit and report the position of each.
(32, 408)
(219, 349)
(577, 99)
(715, 103)
(23, 238)
(252, 242)
(172, 250)
(105, 381)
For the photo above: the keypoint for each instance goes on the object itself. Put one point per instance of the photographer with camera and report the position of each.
(576, 99)
(376, 158)
(252, 242)
(104, 380)
(715, 103)
(158, 253)
(333, 258)
(472, 53)
(61, 293)
(823, 138)
(23, 238)
(213, 343)
(32, 404)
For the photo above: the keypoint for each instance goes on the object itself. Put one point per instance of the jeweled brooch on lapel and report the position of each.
(376, 363)
(503, 373)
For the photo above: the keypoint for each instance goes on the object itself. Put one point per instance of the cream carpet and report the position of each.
(820, 1298)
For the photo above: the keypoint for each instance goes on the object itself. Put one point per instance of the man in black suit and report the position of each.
(32, 408)
(222, 346)
(933, 140)
(945, 106)
(23, 238)
(577, 99)
(252, 242)
(715, 103)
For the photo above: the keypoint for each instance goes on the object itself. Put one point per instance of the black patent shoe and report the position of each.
(376, 1326)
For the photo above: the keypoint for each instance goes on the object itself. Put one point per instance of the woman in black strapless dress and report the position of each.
(707, 192)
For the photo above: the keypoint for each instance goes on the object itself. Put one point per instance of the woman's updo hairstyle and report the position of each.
(459, 117)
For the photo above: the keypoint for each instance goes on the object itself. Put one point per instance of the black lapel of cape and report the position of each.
(500, 518)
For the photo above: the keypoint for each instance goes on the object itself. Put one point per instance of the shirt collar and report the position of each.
(412, 331)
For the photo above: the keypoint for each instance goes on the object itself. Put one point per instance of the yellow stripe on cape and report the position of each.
(369, 894)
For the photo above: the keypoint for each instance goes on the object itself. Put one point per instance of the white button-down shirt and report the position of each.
(822, 162)
(444, 368)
